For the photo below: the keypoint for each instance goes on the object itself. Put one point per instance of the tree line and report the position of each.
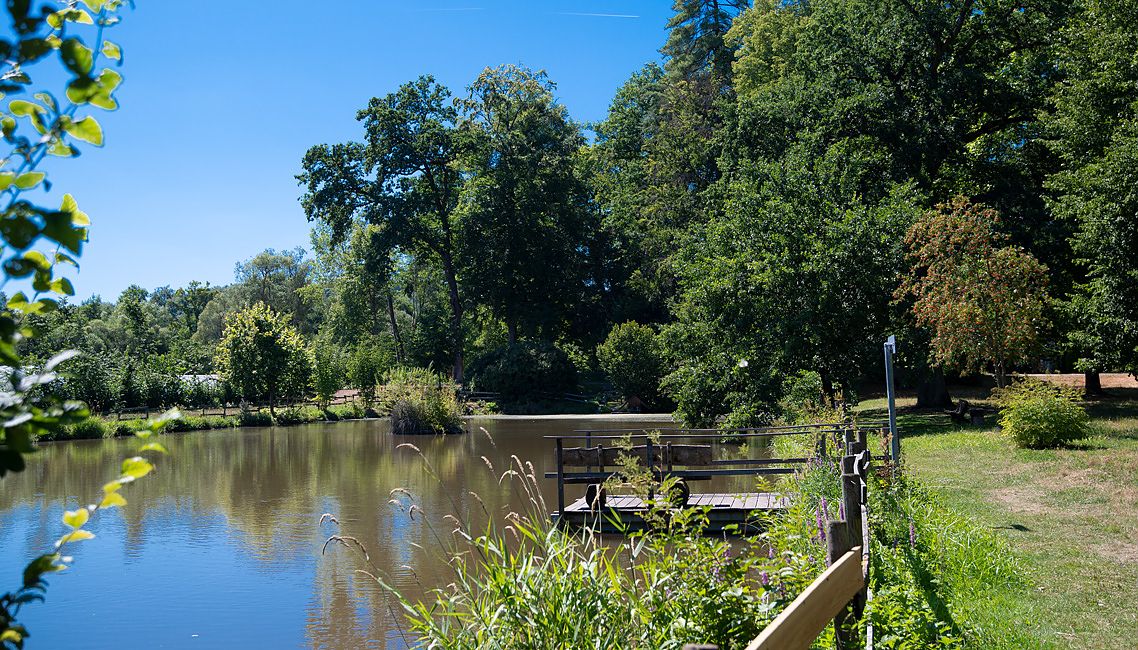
(794, 182)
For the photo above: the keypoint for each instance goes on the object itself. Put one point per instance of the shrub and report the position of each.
(350, 411)
(633, 359)
(803, 397)
(1035, 414)
(298, 415)
(524, 369)
(422, 402)
(255, 419)
(89, 429)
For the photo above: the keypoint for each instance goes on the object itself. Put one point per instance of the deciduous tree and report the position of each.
(404, 178)
(263, 357)
(981, 298)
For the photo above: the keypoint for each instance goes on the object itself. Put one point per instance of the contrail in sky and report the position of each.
(596, 15)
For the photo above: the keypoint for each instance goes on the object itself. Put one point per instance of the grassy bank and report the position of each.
(1069, 516)
(100, 427)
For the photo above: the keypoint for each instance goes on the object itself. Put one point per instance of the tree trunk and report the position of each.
(511, 330)
(455, 316)
(1001, 376)
(828, 388)
(1092, 384)
(933, 392)
(394, 328)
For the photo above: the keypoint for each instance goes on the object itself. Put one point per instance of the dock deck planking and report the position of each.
(626, 511)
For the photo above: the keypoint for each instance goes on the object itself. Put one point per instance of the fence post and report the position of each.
(837, 544)
(851, 503)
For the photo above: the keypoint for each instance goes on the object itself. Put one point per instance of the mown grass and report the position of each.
(1070, 516)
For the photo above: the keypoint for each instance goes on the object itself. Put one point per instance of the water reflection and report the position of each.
(221, 547)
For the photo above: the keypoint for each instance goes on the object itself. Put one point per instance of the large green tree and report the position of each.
(797, 274)
(404, 178)
(525, 217)
(1094, 130)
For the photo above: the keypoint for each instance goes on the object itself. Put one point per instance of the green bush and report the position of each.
(633, 359)
(523, 370)
(90, 429)
(421, 401)
(349, 411)
(1035, 414)
(255, 419)
(298, 415)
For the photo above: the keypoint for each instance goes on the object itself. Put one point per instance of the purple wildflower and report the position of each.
(842, 510)
(765, 578)
(821, 525)
(825, 509)
(912, 534)
(770, 552)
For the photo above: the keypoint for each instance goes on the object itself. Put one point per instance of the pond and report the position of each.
(221, 547)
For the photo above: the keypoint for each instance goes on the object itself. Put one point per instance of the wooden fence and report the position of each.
(840, 594)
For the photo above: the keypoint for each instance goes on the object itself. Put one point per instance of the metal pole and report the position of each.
(895, 440)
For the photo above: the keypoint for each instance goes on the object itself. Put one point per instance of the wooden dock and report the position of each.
(626, 513)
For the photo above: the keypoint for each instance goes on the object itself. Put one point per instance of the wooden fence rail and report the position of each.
(803, 620)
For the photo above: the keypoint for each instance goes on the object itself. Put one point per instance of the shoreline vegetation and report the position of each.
(933, 570)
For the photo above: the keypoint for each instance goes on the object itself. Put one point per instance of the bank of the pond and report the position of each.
(96, 428)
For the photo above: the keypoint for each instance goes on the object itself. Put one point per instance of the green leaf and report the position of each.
(154, 446)
(79, 16)
(23, 108)
(28, 180)
(76, 518)
(63, 287)
(94, 5)
(112, 500)
(38, 259)
(49, 563)
(80, 90)
(136, 467)
(74, 536)
(77, 57)
(70, 206)
(58, 227)
(87, 130)
(112, 51)
(6, 180)
(64, 258)
(114, 486)
(48, 100)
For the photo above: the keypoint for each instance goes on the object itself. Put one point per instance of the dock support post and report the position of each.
(560, 479)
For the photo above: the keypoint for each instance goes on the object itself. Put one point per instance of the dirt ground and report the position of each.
(1108, 379)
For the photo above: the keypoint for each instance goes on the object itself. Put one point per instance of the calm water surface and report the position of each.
(221, 548)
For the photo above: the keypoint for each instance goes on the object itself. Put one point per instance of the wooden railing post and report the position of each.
(560, 478)
(851, 503)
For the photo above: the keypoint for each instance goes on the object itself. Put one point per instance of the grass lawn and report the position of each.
(1070, 516)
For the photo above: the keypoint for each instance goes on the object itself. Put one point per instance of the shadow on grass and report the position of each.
(913, 422)
(1116, 403)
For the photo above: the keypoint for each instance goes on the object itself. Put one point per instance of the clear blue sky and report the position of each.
(221, 100)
